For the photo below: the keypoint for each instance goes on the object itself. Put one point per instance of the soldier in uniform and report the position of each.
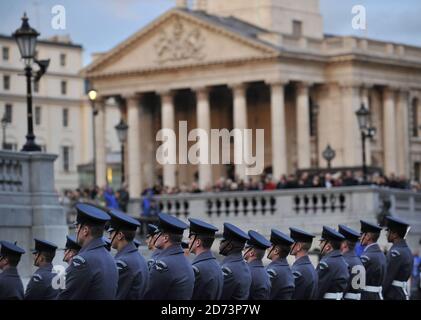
(355, 266)
(171, 276)
(305, 276)
(237, 277)
(208, 275)
(373, 260)
(11, 286)
(92, 274)
(132, 268)
(399, 261)
(151, 236)
(332, 269)
(71, 249)
(280, 274)
(254, 253)
(40, 287)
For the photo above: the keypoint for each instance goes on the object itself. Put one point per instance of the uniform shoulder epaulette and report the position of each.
(37, 277)
(395, 253)
(121, 265)
(272, 273)
(227, 272)
(161, 266)
(323, 265)
(151, 262)
(78, 261)
(365, 259)
(196, 272)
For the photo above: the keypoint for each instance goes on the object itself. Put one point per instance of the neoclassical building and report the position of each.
(262, 64)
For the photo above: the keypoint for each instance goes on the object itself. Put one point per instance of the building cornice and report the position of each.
(41, 99)
(52, 74)
(46, 42)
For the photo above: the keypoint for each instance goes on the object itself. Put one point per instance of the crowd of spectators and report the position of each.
(104, 197)
(119, 199)
(303, 180)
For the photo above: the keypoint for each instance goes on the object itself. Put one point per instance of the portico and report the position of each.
(190, 66)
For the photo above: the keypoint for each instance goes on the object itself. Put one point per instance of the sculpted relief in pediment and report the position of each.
(180, 42)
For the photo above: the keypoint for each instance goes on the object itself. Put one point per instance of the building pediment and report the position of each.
(178, 39)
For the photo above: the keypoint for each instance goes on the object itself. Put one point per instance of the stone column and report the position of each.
(352, 146)
(303, 126)
(168, 122)
(147, 145)
(134, 168)
(204, 122)
(278, 127)
(100, 144)
(241, 143)
(389, 131)
(402, 132)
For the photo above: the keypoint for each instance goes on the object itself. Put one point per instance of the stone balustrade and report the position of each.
(340, 45)
(309, 209)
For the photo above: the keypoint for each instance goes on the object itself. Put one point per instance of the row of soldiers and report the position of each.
(94, 274)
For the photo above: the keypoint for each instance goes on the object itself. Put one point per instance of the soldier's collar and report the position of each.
(206, 255)
(174, 249)
(302, 260)
(281, 261)
(256, 263)
(95, 243)
(234, 257)
(48, 266)
(130, 247)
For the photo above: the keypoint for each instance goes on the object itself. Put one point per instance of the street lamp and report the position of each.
(329, 154)
(363, 117)
(26, 39)
(122, 129)
(4, 125)
(92, 94)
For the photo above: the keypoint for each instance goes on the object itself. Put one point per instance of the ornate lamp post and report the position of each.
(367, 131)
(92, 94)
(329, 154)
(26, 38)
(122, 129)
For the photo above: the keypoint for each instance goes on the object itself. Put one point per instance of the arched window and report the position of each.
(415, 124)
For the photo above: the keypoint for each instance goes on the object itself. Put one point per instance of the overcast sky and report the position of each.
(99, 25)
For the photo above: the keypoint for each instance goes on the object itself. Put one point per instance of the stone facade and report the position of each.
(29, 205)
(228, 64)
(71, 140)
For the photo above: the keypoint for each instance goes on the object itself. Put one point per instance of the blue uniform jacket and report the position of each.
(305, 279)
(133, 273)
(352, 261)
(260, 283)
(399, 265)
(91, 275)
(11, 286)
(282, 280)
(171, 277)
(209, 279)
(237, 278)
(40, 286)
(333, 274)
(374, 262)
